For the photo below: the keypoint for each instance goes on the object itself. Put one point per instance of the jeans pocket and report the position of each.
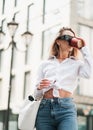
(67, 105)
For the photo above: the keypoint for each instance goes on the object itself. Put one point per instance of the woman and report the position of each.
(57, 80)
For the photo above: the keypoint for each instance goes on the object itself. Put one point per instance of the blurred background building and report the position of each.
(20, 56)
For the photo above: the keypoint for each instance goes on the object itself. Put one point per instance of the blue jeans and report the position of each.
(57, 114)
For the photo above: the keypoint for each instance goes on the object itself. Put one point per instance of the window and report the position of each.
(84, 8)
(13, 89)
(0, 92)
(56, 4)
(77, 91)
(86, 33)
(13, 122)
(80, 7)
(9, 7)
(0, 61)
(1, 6)
(83, 32)
(59, 11)
(36, 9)
(90, 122)
(48, 37)
(35, 14)
(1, 119)
(82, 123)
(26, 83)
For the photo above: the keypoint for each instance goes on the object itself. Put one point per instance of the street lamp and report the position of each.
(12, 26)
(2, 34)
(27, 37)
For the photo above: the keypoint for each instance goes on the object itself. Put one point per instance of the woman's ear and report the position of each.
(58, 43)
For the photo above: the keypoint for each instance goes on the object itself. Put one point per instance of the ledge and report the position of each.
(81, 99)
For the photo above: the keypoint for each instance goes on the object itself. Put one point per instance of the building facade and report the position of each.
(43, 18)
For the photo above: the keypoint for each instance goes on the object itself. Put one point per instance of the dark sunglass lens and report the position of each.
(61, 38)
(65, 37)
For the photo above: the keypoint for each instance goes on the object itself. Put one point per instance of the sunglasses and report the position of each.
(65, 37)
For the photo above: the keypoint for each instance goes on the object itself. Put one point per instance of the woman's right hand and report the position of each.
(44, 84)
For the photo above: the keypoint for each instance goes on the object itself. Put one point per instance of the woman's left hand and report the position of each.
(77, 42)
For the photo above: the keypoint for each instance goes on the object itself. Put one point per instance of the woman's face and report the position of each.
(63, 44)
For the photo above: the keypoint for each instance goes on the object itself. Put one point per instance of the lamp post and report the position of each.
(27, 36)
(12, 26)
(2, 34)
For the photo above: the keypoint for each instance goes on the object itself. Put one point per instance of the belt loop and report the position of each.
(52, 100)
(58, 100)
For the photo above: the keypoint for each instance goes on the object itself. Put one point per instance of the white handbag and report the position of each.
(27, 114)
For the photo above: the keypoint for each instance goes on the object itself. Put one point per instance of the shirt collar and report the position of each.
(54, 57)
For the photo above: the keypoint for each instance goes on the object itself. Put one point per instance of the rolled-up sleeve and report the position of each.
(39, 76)
(86, 67)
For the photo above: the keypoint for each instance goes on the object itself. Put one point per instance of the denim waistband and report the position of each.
(57, 99)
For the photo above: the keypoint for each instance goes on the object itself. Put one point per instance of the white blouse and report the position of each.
(65, 74)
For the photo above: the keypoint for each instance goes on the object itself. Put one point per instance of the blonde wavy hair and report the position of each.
(54, 50)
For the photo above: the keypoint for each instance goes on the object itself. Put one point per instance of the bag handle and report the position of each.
(31, 98)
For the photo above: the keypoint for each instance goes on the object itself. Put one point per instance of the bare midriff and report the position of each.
(62, 94)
